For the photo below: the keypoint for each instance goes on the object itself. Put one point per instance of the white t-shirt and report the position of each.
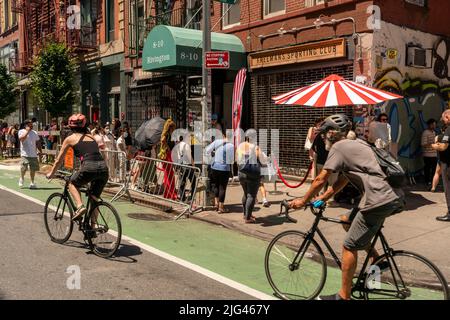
(28, 146)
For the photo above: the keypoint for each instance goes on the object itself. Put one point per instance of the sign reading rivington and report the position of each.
(323, 50)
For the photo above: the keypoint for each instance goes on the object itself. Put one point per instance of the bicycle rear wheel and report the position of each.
(106, 230)
(292, 276)
(409, 276)
(58, 218)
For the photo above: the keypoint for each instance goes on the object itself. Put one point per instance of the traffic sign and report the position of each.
(217, 60)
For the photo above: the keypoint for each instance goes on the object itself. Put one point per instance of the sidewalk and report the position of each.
(415, 229)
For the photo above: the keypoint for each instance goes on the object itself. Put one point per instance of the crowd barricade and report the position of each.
(49, 149)
(165, 181)
(116, 161)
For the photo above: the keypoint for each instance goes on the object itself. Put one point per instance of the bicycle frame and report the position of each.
(359, 285)
(87, 216)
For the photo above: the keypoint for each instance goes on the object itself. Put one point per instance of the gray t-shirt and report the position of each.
(357, 161)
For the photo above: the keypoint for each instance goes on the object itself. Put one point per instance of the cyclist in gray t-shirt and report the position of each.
(355, 162)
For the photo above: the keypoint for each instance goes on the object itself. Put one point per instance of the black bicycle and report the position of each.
(100, 225)
(296, 267)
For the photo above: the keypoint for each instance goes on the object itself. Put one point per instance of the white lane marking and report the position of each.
(215, 276)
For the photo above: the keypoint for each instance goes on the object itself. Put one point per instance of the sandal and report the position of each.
(249, 221)
(224, 210)
(78, 214)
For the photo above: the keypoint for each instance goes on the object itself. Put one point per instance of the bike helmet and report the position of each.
(339, 122)
(77, 121)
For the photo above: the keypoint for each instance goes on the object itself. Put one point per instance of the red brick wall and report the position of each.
(433, 19)
(296, 15)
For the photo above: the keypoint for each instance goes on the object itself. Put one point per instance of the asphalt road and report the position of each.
(33, 267)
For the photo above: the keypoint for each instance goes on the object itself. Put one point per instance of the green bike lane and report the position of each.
(233, 255)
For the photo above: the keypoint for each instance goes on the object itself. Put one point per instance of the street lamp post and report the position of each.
(206, 89)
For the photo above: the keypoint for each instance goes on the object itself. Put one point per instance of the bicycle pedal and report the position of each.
(89, 234)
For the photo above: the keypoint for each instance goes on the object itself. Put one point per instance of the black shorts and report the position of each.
(94, 172)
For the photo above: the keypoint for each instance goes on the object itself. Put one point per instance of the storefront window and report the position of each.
(274, 7)
(312, 3)
(233, 14)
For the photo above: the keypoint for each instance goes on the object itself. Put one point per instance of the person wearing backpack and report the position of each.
(444, 162)
(249, 158)
(356, 163)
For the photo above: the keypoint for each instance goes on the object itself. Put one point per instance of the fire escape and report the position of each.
(146, 14)
(47, 20)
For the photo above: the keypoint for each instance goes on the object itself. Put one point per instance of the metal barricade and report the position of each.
(116, 161)
(165, 181)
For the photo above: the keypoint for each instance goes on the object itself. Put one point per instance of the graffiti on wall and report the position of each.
(424, 99)
(442, 63)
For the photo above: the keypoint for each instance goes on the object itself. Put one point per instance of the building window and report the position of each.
(232, 15)
(110, 23)
(420, 3)
(6, 13)
(274, 7)
(312, 3)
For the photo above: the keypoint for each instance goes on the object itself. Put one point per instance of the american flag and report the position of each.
(239, 84)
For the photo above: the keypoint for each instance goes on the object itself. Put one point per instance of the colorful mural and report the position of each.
(424, 99)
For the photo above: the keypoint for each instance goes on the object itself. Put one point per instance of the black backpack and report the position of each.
(395, 175)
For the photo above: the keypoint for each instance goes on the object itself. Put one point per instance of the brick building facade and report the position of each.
(9, 41)
(294, 24)
(387, 43)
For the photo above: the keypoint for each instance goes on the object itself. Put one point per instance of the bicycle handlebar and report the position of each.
(316, 207)
(60, 175)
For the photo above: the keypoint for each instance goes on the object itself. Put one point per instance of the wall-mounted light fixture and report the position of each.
(317, 24)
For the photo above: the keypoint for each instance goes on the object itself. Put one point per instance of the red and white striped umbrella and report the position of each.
(334, 91)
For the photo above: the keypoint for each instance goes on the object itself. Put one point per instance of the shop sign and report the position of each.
(324, 50)
(195, 87)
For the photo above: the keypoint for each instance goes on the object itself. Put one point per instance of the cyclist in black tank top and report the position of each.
(93, 167)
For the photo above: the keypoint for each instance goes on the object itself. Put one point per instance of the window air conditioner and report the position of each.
(418, 57)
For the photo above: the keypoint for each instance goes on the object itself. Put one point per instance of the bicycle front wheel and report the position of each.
(58, 218)
(295, 274)
(105, 230)
(406, 276)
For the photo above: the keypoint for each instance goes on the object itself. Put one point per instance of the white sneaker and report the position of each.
(21, 182)
(33, 186)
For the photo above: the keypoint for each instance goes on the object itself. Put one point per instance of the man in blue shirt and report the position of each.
(222, 158)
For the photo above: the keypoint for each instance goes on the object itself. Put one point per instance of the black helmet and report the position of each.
(338, 122)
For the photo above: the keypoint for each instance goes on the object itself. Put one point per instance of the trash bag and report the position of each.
(149, 133)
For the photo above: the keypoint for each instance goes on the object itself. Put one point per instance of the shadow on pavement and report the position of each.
(123, 254)
(126, 251)
(415, 201)
(272, 220)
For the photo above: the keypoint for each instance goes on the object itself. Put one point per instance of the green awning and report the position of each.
(170, 48)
